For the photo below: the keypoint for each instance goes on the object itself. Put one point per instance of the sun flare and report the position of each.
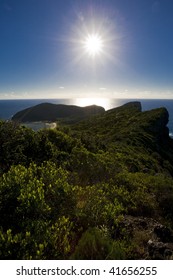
(99, 101)
(93, 44)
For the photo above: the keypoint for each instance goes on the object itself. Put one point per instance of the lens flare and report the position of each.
(93, 44)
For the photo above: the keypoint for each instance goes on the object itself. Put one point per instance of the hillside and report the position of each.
(99, 188)
(53, 112)
(129, 126)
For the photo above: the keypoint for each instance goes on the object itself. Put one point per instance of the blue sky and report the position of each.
(42, 54)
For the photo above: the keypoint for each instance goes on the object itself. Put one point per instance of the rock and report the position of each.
(159, 245)
(163, 233)
(160, 250)
(168, 254)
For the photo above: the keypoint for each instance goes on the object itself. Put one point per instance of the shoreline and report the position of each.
(40, 125)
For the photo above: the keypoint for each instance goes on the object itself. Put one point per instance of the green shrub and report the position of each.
(93, 245)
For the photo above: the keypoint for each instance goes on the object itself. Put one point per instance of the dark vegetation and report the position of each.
(101, 188)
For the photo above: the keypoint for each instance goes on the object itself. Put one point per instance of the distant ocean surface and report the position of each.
(9, 107)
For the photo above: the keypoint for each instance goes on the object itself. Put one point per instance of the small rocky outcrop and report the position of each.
(159, 250)
(156, 239)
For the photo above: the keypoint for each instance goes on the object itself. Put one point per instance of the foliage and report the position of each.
(33, 193)
(65, 192)
(94, 245)
(35, 200)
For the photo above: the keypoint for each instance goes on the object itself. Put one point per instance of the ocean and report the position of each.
(9, 107)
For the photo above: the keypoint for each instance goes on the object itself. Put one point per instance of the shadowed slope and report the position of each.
(52, 112)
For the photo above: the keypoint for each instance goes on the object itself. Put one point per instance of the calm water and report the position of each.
(9, 107)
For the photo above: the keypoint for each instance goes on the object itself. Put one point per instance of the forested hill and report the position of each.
(53, 112)
(100, 188)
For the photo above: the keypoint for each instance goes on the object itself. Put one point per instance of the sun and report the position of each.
(93, 44)
(99, 101)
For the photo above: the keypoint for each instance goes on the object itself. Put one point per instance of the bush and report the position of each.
(93, 245)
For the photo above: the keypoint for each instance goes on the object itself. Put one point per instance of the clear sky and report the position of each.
(43, 48)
